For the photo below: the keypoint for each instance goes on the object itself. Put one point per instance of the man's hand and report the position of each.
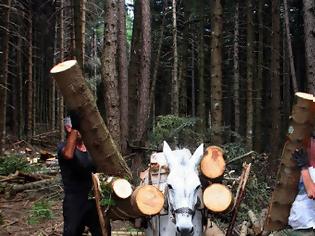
(75, 119)
(301, 158)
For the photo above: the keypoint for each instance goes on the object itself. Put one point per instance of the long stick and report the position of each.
(239, 197)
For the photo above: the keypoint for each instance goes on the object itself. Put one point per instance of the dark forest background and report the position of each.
(185, 71)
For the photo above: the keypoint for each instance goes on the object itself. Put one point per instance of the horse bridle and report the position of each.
(181, 210)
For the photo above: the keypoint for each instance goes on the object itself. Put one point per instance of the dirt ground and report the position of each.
(16, 213)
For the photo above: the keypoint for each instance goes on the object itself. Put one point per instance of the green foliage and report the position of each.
(40, 211)
(175, 130)
(11, 164)
(107, 194)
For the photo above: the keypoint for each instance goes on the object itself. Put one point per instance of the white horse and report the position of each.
(183, 195)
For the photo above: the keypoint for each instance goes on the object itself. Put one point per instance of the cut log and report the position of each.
(121, 187)
(95, 134)
(212, 164)
(301, 125)
(147, 200)
(218, 198)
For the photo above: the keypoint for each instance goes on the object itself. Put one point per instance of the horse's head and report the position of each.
(183, 185)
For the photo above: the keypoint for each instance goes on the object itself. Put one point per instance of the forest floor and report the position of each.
(38, 211)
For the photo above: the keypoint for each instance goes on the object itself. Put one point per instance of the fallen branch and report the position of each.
(240, 157)
(239, 197)
(13, 189)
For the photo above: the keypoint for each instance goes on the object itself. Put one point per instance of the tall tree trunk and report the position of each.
(20, 99)
(309, 34)
(30, 90)
(4, 72)
(123, 74)
(134, 71)
(288, 35)
(157, 59)
(145, 67)
(201, 109)
(216, 72)
(175, 84)
(109, 71)
(62, 46)
(249, 75)
(275, 80)
(79, 30)
(236, 70)
(193, 91)
(259, 83)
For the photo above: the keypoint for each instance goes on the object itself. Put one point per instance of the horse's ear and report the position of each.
(167, 153)
(196, 157)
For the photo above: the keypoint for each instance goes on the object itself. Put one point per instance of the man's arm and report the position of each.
(69, 148)
(308, 183)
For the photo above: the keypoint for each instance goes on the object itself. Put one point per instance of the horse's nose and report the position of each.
(185, 230)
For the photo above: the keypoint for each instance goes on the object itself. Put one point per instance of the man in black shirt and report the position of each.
(76, 167)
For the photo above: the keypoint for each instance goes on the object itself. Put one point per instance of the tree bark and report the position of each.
(201, 108)
(275, 81)
(123, 75)
(79, 30)
(236, 70)
(157, 59)
(30, 76)
(309, 34)
(145, 68)
(259, 83)
(4, 73)
(216, 72)
(249, 75)
(288, 34)
(134, 71)
(175, 84)
(60, 97)
(109, 71)
(95, 134)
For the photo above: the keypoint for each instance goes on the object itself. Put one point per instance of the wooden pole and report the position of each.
(95, 134)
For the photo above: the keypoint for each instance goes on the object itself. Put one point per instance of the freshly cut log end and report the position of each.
(218, 198)
(147, 200)
(122, 188)
(212, 164)
(63, 66)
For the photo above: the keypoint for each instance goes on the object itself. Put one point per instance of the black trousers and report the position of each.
(79, 212)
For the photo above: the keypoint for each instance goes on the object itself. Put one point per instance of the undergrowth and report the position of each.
(40, 211)
(10, 164)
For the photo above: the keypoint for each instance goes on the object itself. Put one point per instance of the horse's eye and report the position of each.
(198, 187)
(170, 186)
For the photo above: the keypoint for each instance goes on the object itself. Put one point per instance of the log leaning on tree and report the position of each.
(301, 125)
(212, 164)
(95, 134)
(218, 198)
